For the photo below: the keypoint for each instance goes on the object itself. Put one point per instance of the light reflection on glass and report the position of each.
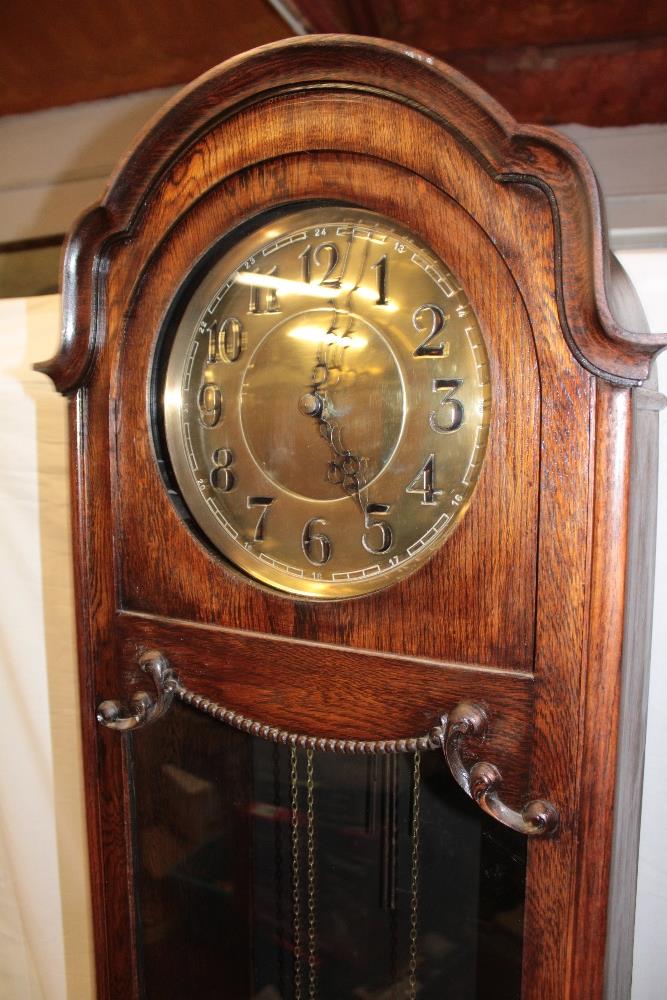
(285, 285)
(317, 334)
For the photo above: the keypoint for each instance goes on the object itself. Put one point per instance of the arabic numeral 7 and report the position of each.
(264, 503)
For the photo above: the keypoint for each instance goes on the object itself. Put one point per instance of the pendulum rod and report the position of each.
(389, 836)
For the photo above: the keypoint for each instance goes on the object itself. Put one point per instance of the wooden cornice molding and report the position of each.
(510, 153)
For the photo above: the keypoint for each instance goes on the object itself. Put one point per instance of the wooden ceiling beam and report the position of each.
(84, 50)
(553, 62)
(615, 84)
(458, 24)
(586, 61)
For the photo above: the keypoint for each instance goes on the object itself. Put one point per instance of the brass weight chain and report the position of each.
(296, 868)
(411, 992)
(414, 880)
(310, 855)
(296, 895)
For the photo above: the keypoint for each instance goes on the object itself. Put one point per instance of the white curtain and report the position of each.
(45, 936)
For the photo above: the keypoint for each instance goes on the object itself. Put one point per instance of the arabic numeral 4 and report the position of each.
(424, 483)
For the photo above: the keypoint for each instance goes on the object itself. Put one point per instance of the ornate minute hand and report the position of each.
(345, 468)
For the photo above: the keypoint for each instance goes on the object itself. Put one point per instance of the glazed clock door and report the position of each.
(352, 438)
(270, 871)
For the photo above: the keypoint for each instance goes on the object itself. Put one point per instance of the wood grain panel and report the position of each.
(335, 691)
(593, 63)
(458, 606)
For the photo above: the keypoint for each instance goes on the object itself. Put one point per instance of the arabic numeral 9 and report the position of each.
(209, 402)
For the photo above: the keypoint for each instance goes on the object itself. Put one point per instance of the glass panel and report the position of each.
(221, 913)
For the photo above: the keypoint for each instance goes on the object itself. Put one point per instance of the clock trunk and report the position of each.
(416, 789)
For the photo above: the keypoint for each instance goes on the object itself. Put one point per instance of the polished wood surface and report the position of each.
(524, 606)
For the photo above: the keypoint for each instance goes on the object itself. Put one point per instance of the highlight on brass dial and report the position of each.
(326, 402)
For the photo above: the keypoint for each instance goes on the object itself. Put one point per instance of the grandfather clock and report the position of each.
(362, 460)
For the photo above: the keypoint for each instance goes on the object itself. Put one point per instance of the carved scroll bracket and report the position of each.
(143, 707)
(538, 818)
(481, 782)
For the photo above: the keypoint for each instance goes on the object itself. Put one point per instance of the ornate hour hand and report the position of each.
(345, 469)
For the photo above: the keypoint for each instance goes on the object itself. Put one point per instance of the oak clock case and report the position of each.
(359, 534)
(326, 400)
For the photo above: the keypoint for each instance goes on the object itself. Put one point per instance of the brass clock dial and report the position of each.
(326, 402)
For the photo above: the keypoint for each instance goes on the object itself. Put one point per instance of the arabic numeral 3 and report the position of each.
(449, 415)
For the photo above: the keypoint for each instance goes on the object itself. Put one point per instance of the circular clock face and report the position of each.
(326, 402)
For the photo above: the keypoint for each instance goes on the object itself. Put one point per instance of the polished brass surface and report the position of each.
(326, 402)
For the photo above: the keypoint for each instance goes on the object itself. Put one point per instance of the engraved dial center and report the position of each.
(321, 386)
